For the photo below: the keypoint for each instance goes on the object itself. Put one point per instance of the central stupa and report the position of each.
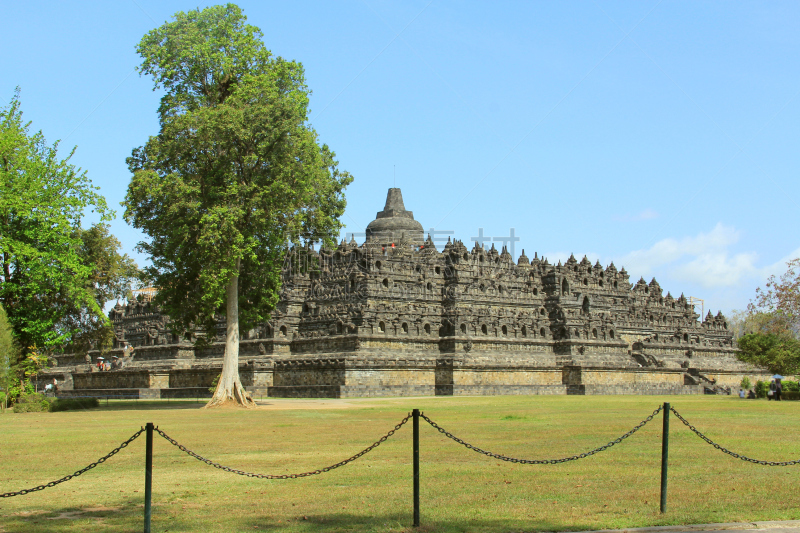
(395, 224)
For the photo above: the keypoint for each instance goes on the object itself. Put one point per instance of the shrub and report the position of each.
(746, 384)
(31, 403)
(791, 395)
(66, 404)
(790, 386)
(761, 389)
(213, 388)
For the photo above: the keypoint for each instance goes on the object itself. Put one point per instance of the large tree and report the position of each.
(234, 173)
(42, 273)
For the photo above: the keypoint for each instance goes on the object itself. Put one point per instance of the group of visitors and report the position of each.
(116, 363)
(104, 365)
(750, 394)
(774, 392)
(51, 388)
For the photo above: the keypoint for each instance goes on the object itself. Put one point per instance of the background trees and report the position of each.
(55, 276)
(111, 276)
(771, 327)
(234, 172)
(44, 198)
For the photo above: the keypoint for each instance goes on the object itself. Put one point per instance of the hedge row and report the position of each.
(38, 403)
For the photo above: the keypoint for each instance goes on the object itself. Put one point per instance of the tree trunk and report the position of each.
(229, 388)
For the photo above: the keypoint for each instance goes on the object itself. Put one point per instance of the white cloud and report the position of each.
(705, 250)
(705, 259)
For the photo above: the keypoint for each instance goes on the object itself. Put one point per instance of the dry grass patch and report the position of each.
(461, 490)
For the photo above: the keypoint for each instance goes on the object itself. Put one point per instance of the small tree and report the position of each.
(777, 353)
(111, 275)
(745, 384)
(771, 330)
(776, 308)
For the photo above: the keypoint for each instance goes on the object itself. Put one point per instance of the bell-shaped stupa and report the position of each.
(395, 223)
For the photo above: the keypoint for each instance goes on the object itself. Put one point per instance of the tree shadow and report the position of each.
(399, 522)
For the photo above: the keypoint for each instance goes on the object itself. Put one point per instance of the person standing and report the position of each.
(771, 392)
(778, 390)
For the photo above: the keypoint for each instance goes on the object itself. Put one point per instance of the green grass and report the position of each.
(461, 490)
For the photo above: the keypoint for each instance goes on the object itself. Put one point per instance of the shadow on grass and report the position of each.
(130, 516)
(73, 519)
(150, 405)
(399, 522)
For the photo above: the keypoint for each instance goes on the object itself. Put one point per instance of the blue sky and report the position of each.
(660, 135)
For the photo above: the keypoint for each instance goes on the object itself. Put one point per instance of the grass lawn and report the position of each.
(461, 490)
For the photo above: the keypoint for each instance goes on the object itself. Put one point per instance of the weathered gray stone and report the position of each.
(396, 316)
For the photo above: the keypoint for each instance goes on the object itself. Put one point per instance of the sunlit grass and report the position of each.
(461, 490)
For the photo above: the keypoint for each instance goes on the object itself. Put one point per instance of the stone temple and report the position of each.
(394, 316)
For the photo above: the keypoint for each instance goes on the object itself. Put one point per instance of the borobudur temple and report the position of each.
(394, 316)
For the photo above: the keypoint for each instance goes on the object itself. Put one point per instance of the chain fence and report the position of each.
(79, 472)
(542, 461)
(725, 450)
(388, 435)
(285, 476)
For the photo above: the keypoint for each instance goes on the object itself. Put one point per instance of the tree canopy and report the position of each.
(42, 272)
(234, 173)
(111, 276)
(772, 325)
(778, 353)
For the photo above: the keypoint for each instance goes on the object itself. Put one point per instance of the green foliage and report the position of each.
(790, 386)
(111, 276)
(778, 353)
(778, 304)
(234, 172)
(67, 404)
(745, 384)
(762, 387)
(32, 403)
(42, 274)
(212, 389)
(791, 395)
(9, 354)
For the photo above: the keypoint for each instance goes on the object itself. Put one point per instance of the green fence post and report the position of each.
(415, 414)
(664, 457)
(148, 477)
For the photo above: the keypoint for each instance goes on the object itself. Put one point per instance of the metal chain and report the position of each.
(285, 476)
(79, 472)
(541, 461)
(725, 450)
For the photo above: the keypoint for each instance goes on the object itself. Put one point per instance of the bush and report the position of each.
(746, 384)
(213, 388)
(761, 389)
(790, 386)
(66, 404)
(791, 395)
(31, 403)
